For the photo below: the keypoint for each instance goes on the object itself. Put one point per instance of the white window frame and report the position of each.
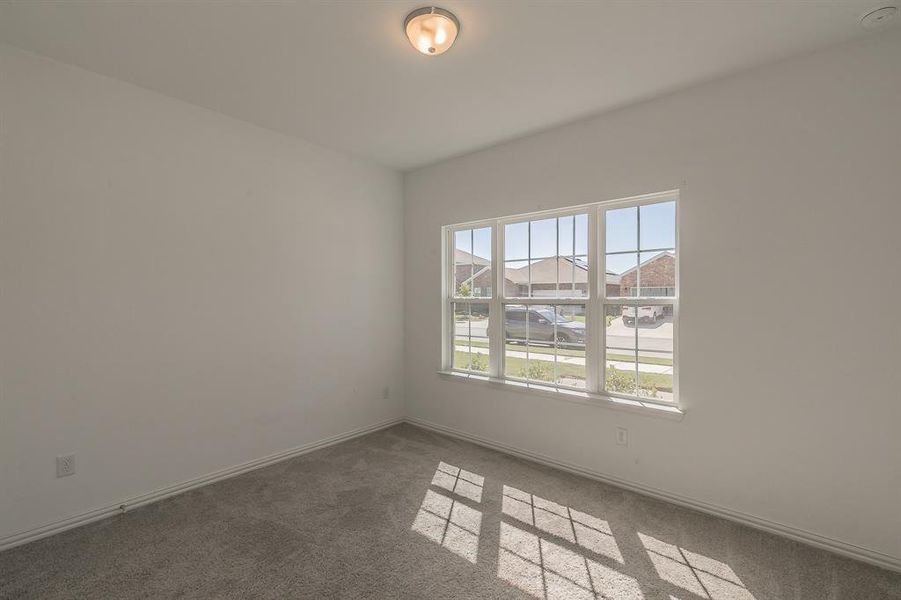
(595, 303)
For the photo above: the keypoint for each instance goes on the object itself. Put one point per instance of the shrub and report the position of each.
(620, 381)
(536, 370)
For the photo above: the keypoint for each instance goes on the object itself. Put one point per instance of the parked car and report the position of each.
(541, 326)
(648, 314)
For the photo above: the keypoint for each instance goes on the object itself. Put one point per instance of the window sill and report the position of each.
(637, 406)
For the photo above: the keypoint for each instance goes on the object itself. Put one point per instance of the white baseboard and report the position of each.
(36, 533)
(873, 557)
(826, 543)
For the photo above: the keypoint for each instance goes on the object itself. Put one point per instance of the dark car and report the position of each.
(541, 326)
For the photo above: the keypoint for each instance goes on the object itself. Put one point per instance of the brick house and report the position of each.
(658, 277)
(473, 271)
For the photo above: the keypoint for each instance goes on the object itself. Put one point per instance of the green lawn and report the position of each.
(647, 360)
(662, 381)
(516, 367)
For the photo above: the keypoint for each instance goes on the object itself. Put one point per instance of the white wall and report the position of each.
(791, 207)
(162, 310)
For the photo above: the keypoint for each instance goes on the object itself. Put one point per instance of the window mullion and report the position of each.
(529, 262)
(557, 261)
(637, 293)
(572, 282)
(593, 316)
(496, 308)
(599, 255)
(468, 335)
(447, 292)
(638, 256)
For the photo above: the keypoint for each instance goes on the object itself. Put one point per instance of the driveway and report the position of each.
(651, 336)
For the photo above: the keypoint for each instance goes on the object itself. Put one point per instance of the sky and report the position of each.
(658, 231)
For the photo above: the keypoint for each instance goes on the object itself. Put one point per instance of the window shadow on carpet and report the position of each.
(448, 522)
(552, 551)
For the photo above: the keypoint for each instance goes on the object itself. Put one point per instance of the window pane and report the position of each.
(482, 282)
(639, 351)
(461, 335)
(658, 226)
(621, 233)
(540, 335)
(471, 336)
(546, 258)
(463, 262)
(655, 384)
(581, 234)
(573, 236)
(527, 354)
(515, 316)
(516, 241)
(638, 357)
(472, 262)
(544, 277)
(463, 240)
(566, 242)
(478, 330)
(656, 274)
(540, 362)
(620, 359)
(573, 277)
(543, 258)
(622, 274)
(546, 344)
(655, 353)
(571, 336)
(543, 238)
(516, 278)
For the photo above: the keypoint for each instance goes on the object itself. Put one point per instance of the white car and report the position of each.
(649, 314)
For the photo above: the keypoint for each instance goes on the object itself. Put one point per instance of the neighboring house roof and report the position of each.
(667, 254)
(545, 271)
(462, 257)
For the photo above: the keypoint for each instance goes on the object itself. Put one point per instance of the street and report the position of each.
(656, 338)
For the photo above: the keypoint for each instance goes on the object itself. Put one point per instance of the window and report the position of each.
(640, 250)
(582, 299)
(472, 285)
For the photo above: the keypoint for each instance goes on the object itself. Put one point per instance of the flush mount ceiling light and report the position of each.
(878, 18)
(431, 30)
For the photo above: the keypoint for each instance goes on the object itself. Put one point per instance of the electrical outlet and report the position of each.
(622, 436)
(65, 465)
(386, 393)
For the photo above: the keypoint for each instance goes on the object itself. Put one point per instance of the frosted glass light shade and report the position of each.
(431, 30)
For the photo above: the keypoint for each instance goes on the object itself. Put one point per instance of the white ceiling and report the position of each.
(343, 75)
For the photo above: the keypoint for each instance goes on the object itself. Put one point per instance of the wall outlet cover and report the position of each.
(65, 465)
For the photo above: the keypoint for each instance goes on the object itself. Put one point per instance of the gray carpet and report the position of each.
(405, 513)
